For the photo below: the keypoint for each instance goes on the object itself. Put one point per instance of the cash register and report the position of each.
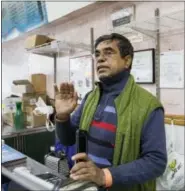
(49, 181)
(35, 176)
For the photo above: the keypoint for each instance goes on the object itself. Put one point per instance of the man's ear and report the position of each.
(128, 61)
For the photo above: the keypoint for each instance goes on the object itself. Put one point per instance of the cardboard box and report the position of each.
(34, 120)
(29, 100)
(20, 87)
(39, 82)
(8, 118)
(36, 40)
(30, 119)
(38, 121)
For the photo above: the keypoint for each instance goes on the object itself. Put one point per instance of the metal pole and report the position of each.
(55, 68)
(55, 71)
(184, 45)
(157, 55)
(92, 41)
(92, 52)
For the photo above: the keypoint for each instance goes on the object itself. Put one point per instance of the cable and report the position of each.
(57, 185)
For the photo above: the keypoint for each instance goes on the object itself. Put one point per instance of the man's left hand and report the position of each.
(86, 170)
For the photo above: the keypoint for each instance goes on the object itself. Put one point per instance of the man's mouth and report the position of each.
(99, 68)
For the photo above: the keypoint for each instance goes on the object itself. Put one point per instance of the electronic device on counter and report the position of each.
(12, 158)
(81, 141)
(49, 181)
(37, 183)
(49, 177)
(58, 165)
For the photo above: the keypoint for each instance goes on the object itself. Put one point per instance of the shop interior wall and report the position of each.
(55, 10)
(18, 64)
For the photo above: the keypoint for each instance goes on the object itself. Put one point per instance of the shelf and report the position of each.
(57, 47)
(163, 24)
(9, 132)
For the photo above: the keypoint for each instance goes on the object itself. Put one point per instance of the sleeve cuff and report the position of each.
(63, 120)
(108, 177)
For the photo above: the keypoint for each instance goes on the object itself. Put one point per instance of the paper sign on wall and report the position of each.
(81, 75)
(172, 69)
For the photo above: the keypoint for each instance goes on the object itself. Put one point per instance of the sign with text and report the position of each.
(123, 16)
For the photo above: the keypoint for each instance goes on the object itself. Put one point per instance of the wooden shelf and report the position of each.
(177, 119)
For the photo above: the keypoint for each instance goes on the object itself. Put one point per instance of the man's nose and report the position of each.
(101, 58)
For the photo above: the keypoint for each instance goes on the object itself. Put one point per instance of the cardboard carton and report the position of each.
(39, 82)
(38, 121)
(20, 87)
(29, 100)
(34, 120)
(30, 119)
(8, 118)
(36, 40)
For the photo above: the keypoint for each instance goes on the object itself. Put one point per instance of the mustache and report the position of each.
(101, 66)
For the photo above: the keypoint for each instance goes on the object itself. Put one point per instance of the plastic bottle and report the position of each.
(19, 117)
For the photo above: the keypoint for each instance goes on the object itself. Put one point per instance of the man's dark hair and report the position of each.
(124, 45)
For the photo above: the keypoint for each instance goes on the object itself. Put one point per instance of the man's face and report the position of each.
(108, 59)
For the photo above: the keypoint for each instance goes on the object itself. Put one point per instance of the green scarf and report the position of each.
(133, 106)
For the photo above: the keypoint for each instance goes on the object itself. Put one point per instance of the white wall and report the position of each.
(56, 10)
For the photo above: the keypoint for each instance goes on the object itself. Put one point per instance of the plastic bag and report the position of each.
(41, 109)
(173, 177)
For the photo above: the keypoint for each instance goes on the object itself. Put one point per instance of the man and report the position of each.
(125, 123)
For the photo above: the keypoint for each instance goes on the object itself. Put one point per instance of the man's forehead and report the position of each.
(107, 43)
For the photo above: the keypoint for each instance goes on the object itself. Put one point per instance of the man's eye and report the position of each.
(96, 55)
(108, 52)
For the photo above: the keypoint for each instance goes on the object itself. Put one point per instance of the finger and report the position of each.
(65, 88)
(81, 171)
(62, 88)
(86, 177)
(68, 90)
(73, 92)
(71, 89)
(58, 96)
(80, 156)
(78, 166)
(75, 96)
(56, 89)
(87, 164)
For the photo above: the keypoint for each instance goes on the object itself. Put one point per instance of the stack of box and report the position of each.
(39, 83)
(29, 93)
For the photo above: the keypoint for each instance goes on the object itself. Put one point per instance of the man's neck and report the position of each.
(116, 82)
